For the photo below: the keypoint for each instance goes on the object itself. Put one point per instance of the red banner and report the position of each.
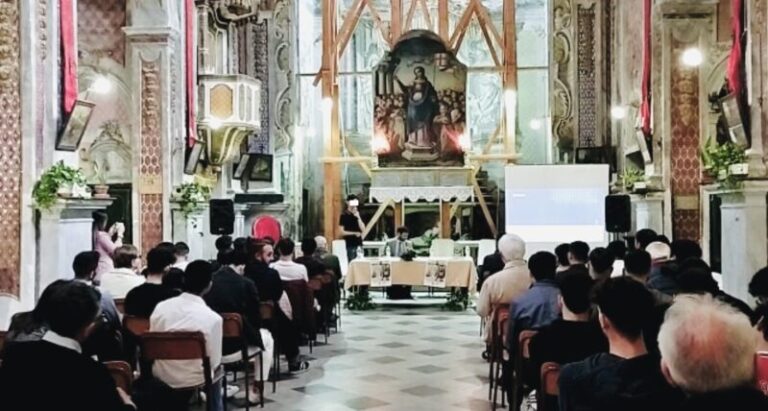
(189, 38)
(69, 89)
(645, 89)
(736, 59)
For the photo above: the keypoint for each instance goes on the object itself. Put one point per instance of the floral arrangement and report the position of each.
(629, 176)
(59, 178)
(721, 161)
(359, 301)
(190, 195)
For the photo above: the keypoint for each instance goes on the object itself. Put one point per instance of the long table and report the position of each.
(427, 271)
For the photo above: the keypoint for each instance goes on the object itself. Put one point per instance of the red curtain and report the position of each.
(189, 36)
(68, 55)
(736, 60)
(645, 92)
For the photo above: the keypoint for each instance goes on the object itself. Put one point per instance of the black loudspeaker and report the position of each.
(618, 214)
(222, 216)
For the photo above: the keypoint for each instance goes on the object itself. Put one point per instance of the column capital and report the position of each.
(159, 34)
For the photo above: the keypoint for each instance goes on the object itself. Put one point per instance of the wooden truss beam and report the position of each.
(376, 216)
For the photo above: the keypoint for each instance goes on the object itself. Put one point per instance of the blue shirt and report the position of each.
(536, 308)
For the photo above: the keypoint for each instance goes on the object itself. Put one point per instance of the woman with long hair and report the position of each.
(105, 242)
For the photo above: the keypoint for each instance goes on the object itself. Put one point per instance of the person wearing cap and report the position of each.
(663, 270)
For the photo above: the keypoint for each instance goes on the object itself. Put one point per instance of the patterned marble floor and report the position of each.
(417, 358)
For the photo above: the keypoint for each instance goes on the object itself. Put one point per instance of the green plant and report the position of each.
(718, 159)
(57, 176)
(629, 176)
(457, 300)
(359, 301)
(190, 195)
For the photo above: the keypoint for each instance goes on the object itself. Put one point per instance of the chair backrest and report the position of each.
(525, 343)
(441, 247)
(327, 277)
(120, 305)
(176, 345)
(761, 371)
(232, 325)
(339, 249)
(315, 284)
(484, 249)
(267, 310)
(122, 374)
(550, 374)
(136, 325)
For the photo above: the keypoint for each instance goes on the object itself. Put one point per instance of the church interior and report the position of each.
(385, 204)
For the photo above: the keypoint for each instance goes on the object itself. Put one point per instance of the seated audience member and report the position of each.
(188, 312)
(69, 379)
(32, 325)
(663, 270)
(619, 250)
(601, 263)
(572, 338)
(696, 278)
(174, 279)
(509, 283)
(330, 261)
(270, 288)
(288, 269)
(627, 377)
(758, 286)
(578, 255)
(124, 277)
(637, 266)
(644, 237)
(106, 340)
(314, 266)
(708, 351)
(231, 292)
(182, 255)
(538, 306)
(561, 251)
(492, 264)
(141, 301)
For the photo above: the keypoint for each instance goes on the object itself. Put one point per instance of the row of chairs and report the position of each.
(549, 373)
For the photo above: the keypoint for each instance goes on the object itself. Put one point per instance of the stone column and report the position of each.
(67, 230)
(744, 237)
(757, 84)
(152, 54)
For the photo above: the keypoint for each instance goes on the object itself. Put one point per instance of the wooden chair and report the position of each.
(233, 329)
(135, 325)
(318, 291)
(546, 397)
(122, 374)
(267, 311)
(522, 357)
(498, 313)
(330, 283)
(179, 345)
(120, 304)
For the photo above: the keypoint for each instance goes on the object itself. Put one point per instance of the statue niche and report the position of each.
(419, 104)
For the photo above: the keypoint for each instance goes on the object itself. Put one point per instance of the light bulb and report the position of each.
(692, 57)
(619, 112)
(535, 124)
(214, 123)
(101, 85)
(465, 142)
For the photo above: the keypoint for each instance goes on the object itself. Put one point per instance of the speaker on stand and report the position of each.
(618, 214)
(222, 213)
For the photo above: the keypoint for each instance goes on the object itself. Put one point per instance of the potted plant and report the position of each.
(101, 189)
(190, 195)
(632, 179)
(60, 180)
(726, 163)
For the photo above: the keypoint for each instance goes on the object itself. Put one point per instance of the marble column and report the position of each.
(152, 60)
(744, 237)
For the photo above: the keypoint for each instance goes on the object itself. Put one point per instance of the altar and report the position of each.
(443, 272)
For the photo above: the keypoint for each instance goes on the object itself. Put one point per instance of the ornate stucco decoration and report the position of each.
(562, 83)
(110, 156)
(150, 166)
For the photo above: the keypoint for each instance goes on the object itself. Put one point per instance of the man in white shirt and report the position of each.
(507, 284)
(124, 277)
(189, 312)
(285, 266)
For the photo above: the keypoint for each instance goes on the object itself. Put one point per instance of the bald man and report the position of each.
(507, 284)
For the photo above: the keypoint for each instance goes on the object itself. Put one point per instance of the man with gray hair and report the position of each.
(507, 284)
(708, 350)
(330, 261)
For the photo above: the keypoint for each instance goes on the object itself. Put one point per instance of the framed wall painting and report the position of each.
(76, 125)
(261, 167)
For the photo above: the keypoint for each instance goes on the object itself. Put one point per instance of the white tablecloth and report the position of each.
(433, 272)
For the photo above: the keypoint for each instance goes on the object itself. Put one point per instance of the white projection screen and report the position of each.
(553, 204)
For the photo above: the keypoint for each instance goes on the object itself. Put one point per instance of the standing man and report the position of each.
(351, 227)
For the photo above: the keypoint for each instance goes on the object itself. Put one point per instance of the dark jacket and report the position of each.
(314, 266)
(43, 376)
(742, 399)
(267, 281)
(607, 382)
(664, 278)
(232, 293)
